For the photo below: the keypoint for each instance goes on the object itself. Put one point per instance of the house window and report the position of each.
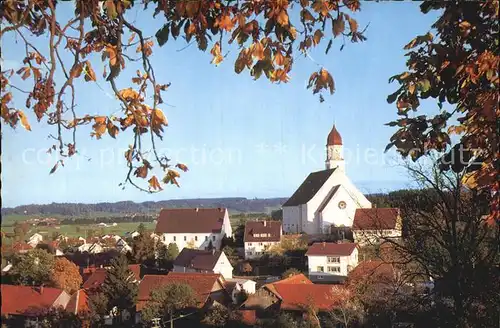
(333, 259)
(185, 238)
(260, 244)
(196, 238)
(175, 238)
(256, 235)
(213, 238)
(333, 269)
(320, 269)
(249, 244)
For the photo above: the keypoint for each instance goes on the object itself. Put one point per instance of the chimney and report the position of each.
(41, 289)
(197, 209)
(265, 223)
(324, 244)
(213, 251)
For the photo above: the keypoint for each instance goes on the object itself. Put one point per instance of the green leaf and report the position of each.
(162, 35)
(424, 85)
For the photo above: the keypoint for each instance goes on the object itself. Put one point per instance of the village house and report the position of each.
(208, 288)
(236, 286)
(195, 260)
(200, 228)
(92, 248)
(94, 277)
(260, 236)
(331, 262)
(21, 305)
(373, 225)
(326, 199)
(35, 239)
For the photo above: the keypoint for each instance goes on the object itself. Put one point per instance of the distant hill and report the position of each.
(235, 205)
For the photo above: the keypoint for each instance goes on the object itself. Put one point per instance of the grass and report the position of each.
(75, 230)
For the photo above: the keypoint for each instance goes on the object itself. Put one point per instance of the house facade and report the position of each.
(374, 225)
(326, 198)
(201, 261)
(331, 262)
(260, 236)
(198, 228)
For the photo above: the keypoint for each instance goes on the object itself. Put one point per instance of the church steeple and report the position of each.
(334, 150)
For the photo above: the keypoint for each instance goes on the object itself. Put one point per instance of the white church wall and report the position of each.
(333, 215)
(291, 219)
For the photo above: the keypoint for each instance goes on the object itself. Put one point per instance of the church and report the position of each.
(326, 198)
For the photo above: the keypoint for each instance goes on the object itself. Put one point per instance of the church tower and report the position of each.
(334, 151)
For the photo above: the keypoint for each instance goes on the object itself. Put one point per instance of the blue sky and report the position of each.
(239, 137)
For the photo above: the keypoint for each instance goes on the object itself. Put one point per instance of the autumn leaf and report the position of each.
(158, 118)
(111, 9)
(25, 72)
(224, 22)
(142, 171)
(279, 59)
(317, 36)
(182, 167)
(258, 50)
(99, 127)
(24, 120)
(283, 18)
(171, 177)
(54, 168)
(129, 94)
(112, 129)
(216, 52)
(89, 72)
(338, 26)
(154, 183)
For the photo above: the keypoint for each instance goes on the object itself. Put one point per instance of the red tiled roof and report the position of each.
(298, 279)
(202, 284)
(78, 303)
(334, 137)
(197, 259)
(27, 300)
(319, 249)
(98, 276)
(376, 271)
(190, 220)
(273, 228)
(375, 218)
(298, 297)
(295, 279)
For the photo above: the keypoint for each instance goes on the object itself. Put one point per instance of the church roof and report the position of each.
(309, 188)
(334, 137)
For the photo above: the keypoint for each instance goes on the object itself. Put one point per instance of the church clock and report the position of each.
(342, 205)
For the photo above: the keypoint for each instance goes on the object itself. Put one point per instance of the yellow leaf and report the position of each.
(283, 18)
(258, 50)
(24, 120)
(159, 117)
(216, 52)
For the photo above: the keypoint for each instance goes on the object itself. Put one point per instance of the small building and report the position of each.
(199, 228)
(208, 288)
(35, 239)
(331, 262)
(92, 248)
(373, 225)
(260, 236)
(21, 305)
(196, 260)
(236, 286)
(96, 276)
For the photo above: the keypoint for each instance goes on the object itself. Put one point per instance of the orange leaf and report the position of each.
(24, 120)
(128, 94)
(216, 52)
(283, 18)
(154, 184)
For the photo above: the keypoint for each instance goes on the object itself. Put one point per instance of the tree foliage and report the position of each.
(268, 35)
(65, 275)
(98, 306)
(33, 268)
(289, 273)
(458, 67)
(167, 302)
(119, 286)
(143, 248)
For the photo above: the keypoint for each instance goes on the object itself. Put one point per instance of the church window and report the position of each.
(342, 205)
